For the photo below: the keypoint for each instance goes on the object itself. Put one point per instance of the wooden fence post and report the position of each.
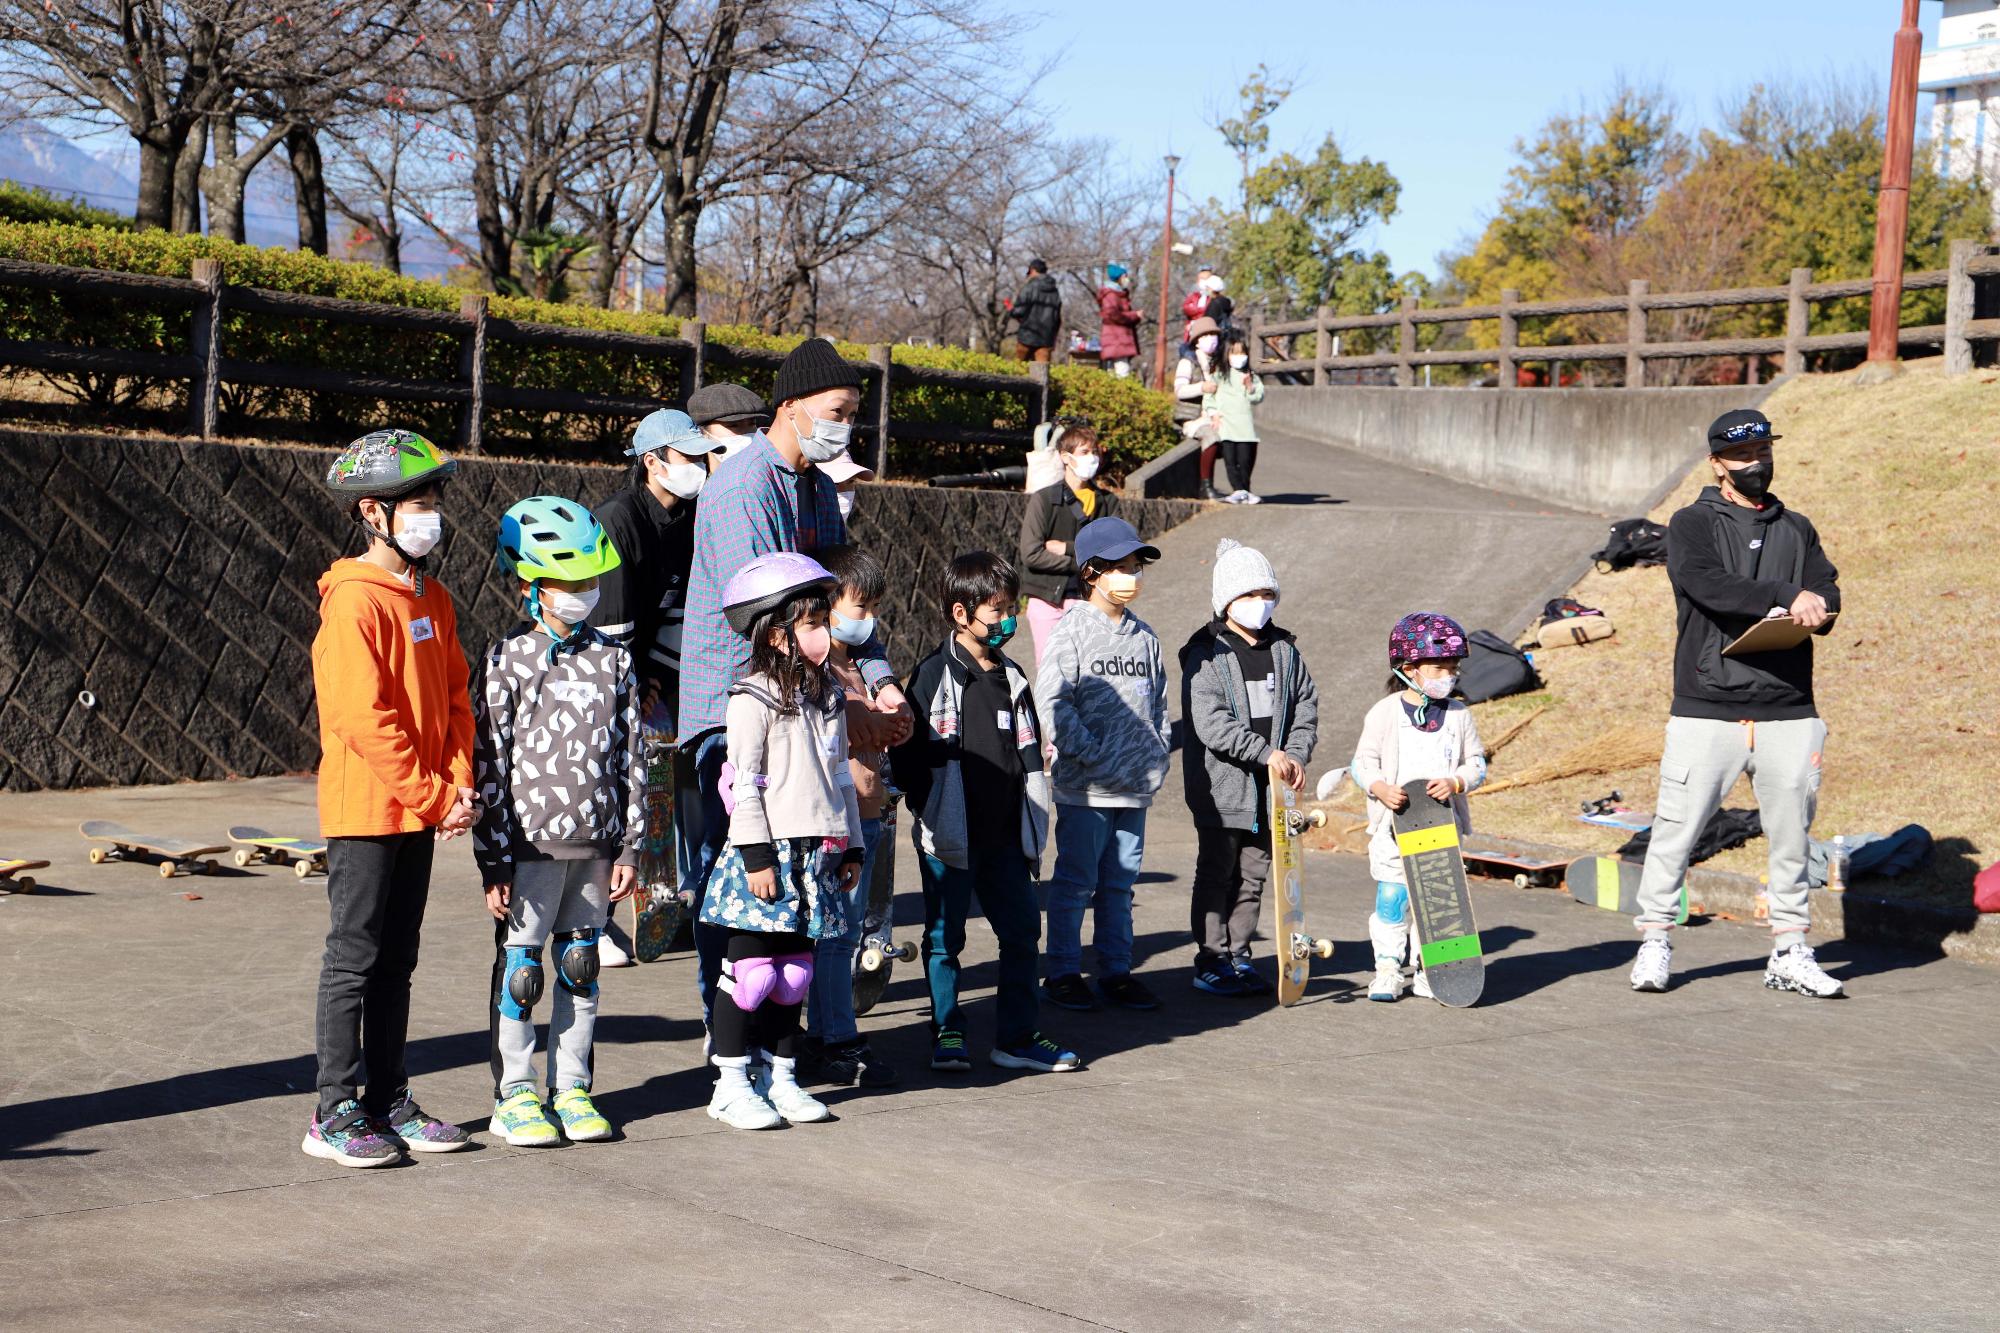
(1635, 333)
(1509, 371)
(1798, 318)
(879, 355)
(207, 348)
(472, 370)
(694, 371)
(1958, 309)
(1038, 401)
(1406, 344)
(1320, 347)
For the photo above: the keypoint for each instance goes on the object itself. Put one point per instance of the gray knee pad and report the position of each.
(576, 961)
(520, 980)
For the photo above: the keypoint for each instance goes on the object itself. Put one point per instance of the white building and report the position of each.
(1962, 72)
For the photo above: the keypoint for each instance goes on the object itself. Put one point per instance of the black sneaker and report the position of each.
(852, 1065)
(1253, 981)
(1070, 992)
(1219, 978)
(1126, 991)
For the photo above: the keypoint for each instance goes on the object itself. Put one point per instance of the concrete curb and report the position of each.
(1964, 934)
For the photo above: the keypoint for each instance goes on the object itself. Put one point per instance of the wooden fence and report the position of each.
(1959, 331)
(206, 369)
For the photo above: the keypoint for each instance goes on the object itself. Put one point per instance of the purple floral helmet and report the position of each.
(768, 582)
(1425, 636)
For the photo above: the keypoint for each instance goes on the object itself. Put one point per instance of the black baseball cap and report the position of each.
(1742, 425)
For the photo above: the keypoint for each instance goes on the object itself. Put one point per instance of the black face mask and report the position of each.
(1753, 482)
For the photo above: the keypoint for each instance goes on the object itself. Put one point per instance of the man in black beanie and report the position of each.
(770, 497)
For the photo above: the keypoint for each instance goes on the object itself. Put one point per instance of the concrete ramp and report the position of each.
(1607, 451)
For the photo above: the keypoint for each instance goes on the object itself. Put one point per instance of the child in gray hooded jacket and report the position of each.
(1104, 684)
(1253, 712)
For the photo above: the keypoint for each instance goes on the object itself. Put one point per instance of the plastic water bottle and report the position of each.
(1836, 866)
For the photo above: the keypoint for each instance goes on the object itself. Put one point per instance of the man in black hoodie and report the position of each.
(1039, 310)
(1737, 556)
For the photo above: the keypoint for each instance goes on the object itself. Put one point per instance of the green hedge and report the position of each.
(32, 203)
(1136, 423)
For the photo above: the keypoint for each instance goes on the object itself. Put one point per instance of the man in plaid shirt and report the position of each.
(768, 496)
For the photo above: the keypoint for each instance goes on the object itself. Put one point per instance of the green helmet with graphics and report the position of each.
(549, 537)
(386, 465)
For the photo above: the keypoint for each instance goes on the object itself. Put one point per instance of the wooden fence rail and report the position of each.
(1960, 330)
(207, 298)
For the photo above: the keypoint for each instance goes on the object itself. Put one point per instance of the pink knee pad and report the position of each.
(795, 975)
(755, 979)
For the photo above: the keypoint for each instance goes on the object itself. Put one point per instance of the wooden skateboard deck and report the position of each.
(176, 854)
(306, 856)
(1295, 948)
(1440, 903)
(658, 909)
(1607, 882)
(1527, 872)
(876, 958)
(13, 881)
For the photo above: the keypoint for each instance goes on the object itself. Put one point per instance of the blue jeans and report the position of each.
(830, 1003)
(1098, 850)
(1006, 892)
(704, 832)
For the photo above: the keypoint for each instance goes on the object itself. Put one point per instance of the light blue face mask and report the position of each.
(853, 633)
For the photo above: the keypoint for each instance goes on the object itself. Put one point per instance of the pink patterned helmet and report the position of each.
(768, 582)
(1425, 636)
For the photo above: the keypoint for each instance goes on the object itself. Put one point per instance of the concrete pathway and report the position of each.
(1567, 1155)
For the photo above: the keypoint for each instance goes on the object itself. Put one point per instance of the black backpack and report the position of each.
(1633, 542)
(1494, 667)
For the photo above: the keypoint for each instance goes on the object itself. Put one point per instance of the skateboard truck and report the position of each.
(1605, 805)
(1304, 946)
(1298, 821)
(874, 956)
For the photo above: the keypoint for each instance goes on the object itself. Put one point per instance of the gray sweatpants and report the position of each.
(1701, 762)
(553, 896)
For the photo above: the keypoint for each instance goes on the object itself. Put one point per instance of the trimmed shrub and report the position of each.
(32, 203)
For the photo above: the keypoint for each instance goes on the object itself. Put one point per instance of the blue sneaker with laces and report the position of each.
(1219, 978)
(1252, 981)
(948, 1053)
(1038, 1054)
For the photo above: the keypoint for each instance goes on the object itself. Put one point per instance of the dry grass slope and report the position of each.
(1903, 482)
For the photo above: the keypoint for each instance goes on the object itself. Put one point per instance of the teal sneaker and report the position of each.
(581, 1121)
(349, 1137)
(520, 1118)
(422, 1132)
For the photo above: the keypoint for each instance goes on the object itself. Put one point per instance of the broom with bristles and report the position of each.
(1508, 736)
(1613, 752)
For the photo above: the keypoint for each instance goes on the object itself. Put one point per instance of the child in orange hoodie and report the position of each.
(395, 776)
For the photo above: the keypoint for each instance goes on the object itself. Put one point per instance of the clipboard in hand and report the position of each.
(1776, 631)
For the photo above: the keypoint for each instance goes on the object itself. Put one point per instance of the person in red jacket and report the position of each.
(1118, 339)
(1196, 304)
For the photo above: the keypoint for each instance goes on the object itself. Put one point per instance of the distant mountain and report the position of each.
(33, 154)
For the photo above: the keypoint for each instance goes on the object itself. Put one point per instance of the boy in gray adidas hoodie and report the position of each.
(1104, 684)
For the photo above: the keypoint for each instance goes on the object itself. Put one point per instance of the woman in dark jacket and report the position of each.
(1049, 527)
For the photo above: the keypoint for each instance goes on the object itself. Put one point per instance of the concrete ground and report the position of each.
(1566, 1155)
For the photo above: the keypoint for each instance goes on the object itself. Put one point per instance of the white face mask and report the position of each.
(1252, 612)
(1238, 360)
(417, 534)
(684, 479)
(1084, 465)
(1439, 687)
(844, 499)
(572, 608)
(826, 441)
(1206, 344)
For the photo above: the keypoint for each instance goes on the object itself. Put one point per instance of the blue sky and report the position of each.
(1439, 91)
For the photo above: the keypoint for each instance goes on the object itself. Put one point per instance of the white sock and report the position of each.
(784, 1072)
(732, 1073)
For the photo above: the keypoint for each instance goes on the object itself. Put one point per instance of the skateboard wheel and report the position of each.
(1322, 948)
(302, 869)
(25, 884)
(871, 959)
(905, 953)
(97, 856)
(209, 867)
(167, 869)
(1317, 819)
(1522, 882)
(243, 857)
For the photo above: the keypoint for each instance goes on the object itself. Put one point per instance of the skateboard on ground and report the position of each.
(1607, 882)
(658, 909)
(1295, 948)
(1527, 872)
(176, 854)
(876, 958)
(13, 881)
(1440, 903)
(306, 856)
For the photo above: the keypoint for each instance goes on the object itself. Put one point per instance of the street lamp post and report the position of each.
(1892, 205)
(1166, 280)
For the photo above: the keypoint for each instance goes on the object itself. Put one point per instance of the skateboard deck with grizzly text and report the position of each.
(658, 909)
(1295, 948)
(1440, 902)
(1613, 884)
(175, 854)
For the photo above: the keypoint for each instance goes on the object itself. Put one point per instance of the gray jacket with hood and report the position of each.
(1104, 687)
(1221, 775)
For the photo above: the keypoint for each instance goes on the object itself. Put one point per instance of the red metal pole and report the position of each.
(1892, 203)
(1166, 283)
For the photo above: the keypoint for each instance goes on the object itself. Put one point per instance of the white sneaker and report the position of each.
(1420, 985)
(1249, 498)
(610, 955)
(742, 1108)
(1233, 498)
(1655, 961)
(1796, 969)
(1388, 983)
(797, 1105)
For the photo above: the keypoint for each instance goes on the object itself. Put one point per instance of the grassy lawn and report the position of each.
(1903, 482)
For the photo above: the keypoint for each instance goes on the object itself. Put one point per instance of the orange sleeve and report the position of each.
(353, 709)
(458, 733)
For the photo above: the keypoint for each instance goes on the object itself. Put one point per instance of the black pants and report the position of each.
(1240, 457)
(376, 889)
(773, 1026)
(1231, 866)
